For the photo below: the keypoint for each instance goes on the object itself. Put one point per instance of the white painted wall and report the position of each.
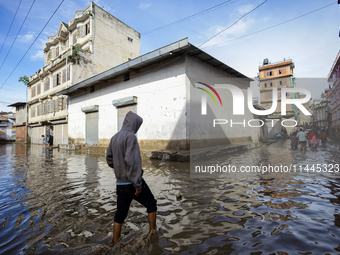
(161, 102)
(201, 127)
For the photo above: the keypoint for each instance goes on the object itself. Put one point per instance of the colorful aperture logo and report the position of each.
(209, 93)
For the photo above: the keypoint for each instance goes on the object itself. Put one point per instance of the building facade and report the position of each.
(334, 83)
(7, 130)
(20, 121)
(321, 109)
(159, 86)
(91, 43)
(276, 75)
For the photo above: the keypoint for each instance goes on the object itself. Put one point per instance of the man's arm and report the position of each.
(134, 162)
(109, 156)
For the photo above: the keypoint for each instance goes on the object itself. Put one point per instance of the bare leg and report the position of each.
(117, 227)
(152, 220)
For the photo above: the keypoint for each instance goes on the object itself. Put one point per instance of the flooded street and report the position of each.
(55, 201)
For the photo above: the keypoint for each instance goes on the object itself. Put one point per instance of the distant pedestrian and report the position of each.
(43, 140)
(302, 136)
(294, 141)
(313, 138)
(323, 137)
(48, 141)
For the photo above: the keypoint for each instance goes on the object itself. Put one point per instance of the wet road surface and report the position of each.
(55, 201)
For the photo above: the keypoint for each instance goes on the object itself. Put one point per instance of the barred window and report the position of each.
(74, 37)
(87, 28)
(65, 103)
(38, 89)
(32, 91)
(63, 75)
(56, 80)
(47, 83)
(33, 111)
(68, 73)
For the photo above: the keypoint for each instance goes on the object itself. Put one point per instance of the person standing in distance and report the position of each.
(302, 139)
(123, 155)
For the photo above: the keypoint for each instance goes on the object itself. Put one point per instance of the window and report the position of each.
(269, 73)
(282, 82)
(282, 71)
(64, 103)
(33, 92)
(57, 51)
(268, 95)
(87, 28)
(32, 111)
(74, 37)
(68, 73)
(63, 75)
(130, 39)
(38, 89)
(56, 79)
(47, 84)
(271, 84)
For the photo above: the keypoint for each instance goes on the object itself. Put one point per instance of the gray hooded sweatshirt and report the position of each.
(123, 153)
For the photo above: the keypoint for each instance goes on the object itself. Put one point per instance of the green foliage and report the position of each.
(76, 49)
(24, 79)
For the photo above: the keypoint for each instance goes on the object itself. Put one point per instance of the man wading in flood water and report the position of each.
(123, 155)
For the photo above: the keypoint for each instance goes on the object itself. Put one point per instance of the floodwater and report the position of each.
(60, 202)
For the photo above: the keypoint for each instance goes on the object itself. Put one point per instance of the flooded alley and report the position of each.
(60, 202)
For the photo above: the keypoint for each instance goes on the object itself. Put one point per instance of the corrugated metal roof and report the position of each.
(176, 49)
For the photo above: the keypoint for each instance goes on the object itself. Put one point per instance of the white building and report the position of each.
(92, 42)
(159, 86)
(7, 128)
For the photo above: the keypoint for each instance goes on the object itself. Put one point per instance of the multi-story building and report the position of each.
(321, 112)
(334, 83)
(20, 120)
(91, 43)
(276, 75)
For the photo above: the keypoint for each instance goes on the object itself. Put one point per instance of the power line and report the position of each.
(191, 16)
(117, 79)
(11, 25)
(271, 26)
(17, 34)
(233, 23)
(32, 44)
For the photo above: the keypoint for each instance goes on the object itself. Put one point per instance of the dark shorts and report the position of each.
(304, 142)
(125, 194)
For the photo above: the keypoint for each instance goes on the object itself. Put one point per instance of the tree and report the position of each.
(24, 79)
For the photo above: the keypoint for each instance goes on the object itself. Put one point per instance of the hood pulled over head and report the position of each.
(132, 122)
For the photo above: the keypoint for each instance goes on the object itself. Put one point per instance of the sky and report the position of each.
(240, 33)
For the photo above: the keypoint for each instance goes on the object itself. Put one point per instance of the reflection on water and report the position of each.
(60, 202)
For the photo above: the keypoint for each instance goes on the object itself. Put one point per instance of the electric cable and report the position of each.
(32, 43)
(11, 25)
(278, 24)
(190, 17)
(17, 34)
(233, 23)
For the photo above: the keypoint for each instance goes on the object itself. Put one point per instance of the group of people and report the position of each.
(46, 141)
(312, 139)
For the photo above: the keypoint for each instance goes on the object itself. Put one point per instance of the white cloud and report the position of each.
(239, 29)
(39, 54)
(27, 37)
(244, 9)
(144, 6)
